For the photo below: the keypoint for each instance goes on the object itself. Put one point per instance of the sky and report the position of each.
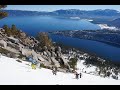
(57, 7)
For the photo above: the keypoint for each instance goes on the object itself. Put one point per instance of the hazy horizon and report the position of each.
(51, 8)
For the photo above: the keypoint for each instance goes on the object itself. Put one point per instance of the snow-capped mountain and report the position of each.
(67, 12)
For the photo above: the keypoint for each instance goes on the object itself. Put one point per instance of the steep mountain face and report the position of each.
(65, 59)
(25, 46)
(115, 23)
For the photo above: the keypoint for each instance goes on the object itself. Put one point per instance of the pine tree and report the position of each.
(3, 6)
(73, 62)
(44, 40)
(5, 27)
(2, 13)
(7, 30)
(13, 28)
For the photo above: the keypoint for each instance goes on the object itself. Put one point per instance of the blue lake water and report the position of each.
(101, 49)
(33, 25)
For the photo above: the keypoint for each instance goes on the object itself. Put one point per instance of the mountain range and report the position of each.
(115, 23)
(68, 12)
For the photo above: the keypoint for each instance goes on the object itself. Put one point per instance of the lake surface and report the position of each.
(101, 49)
(34, 24)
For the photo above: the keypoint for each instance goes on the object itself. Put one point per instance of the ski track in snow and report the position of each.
(16, 73)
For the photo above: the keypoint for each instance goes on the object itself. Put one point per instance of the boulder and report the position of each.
(13, 40)
(53, 54)
(48, 53)
(3, 43)
(56, 63)
(66, 63)
(23, 35)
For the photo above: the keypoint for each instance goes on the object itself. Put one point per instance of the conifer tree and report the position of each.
(2, 13)
(44, 40)
(7, 30)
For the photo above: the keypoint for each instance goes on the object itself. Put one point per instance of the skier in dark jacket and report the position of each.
(77, 75)
(80, 75)
(54, 70)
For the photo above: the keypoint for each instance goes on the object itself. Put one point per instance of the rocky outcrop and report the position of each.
(3, 43)
(50, 56)
(55, 56)
(25, 45)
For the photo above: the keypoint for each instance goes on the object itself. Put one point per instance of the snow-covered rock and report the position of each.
(105, 26)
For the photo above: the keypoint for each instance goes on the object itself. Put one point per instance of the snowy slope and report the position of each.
(16, 73)
(105, 26)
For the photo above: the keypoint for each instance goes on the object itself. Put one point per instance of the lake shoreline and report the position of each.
(89, 51)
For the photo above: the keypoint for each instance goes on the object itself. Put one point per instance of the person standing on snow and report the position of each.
(80, 74)
(76, 75)
(54, 70)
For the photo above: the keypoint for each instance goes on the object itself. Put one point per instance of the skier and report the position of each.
(54, 71)
(80, 74)
(108, 73)
(77, 75)
(33, 66)
(116, 74)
